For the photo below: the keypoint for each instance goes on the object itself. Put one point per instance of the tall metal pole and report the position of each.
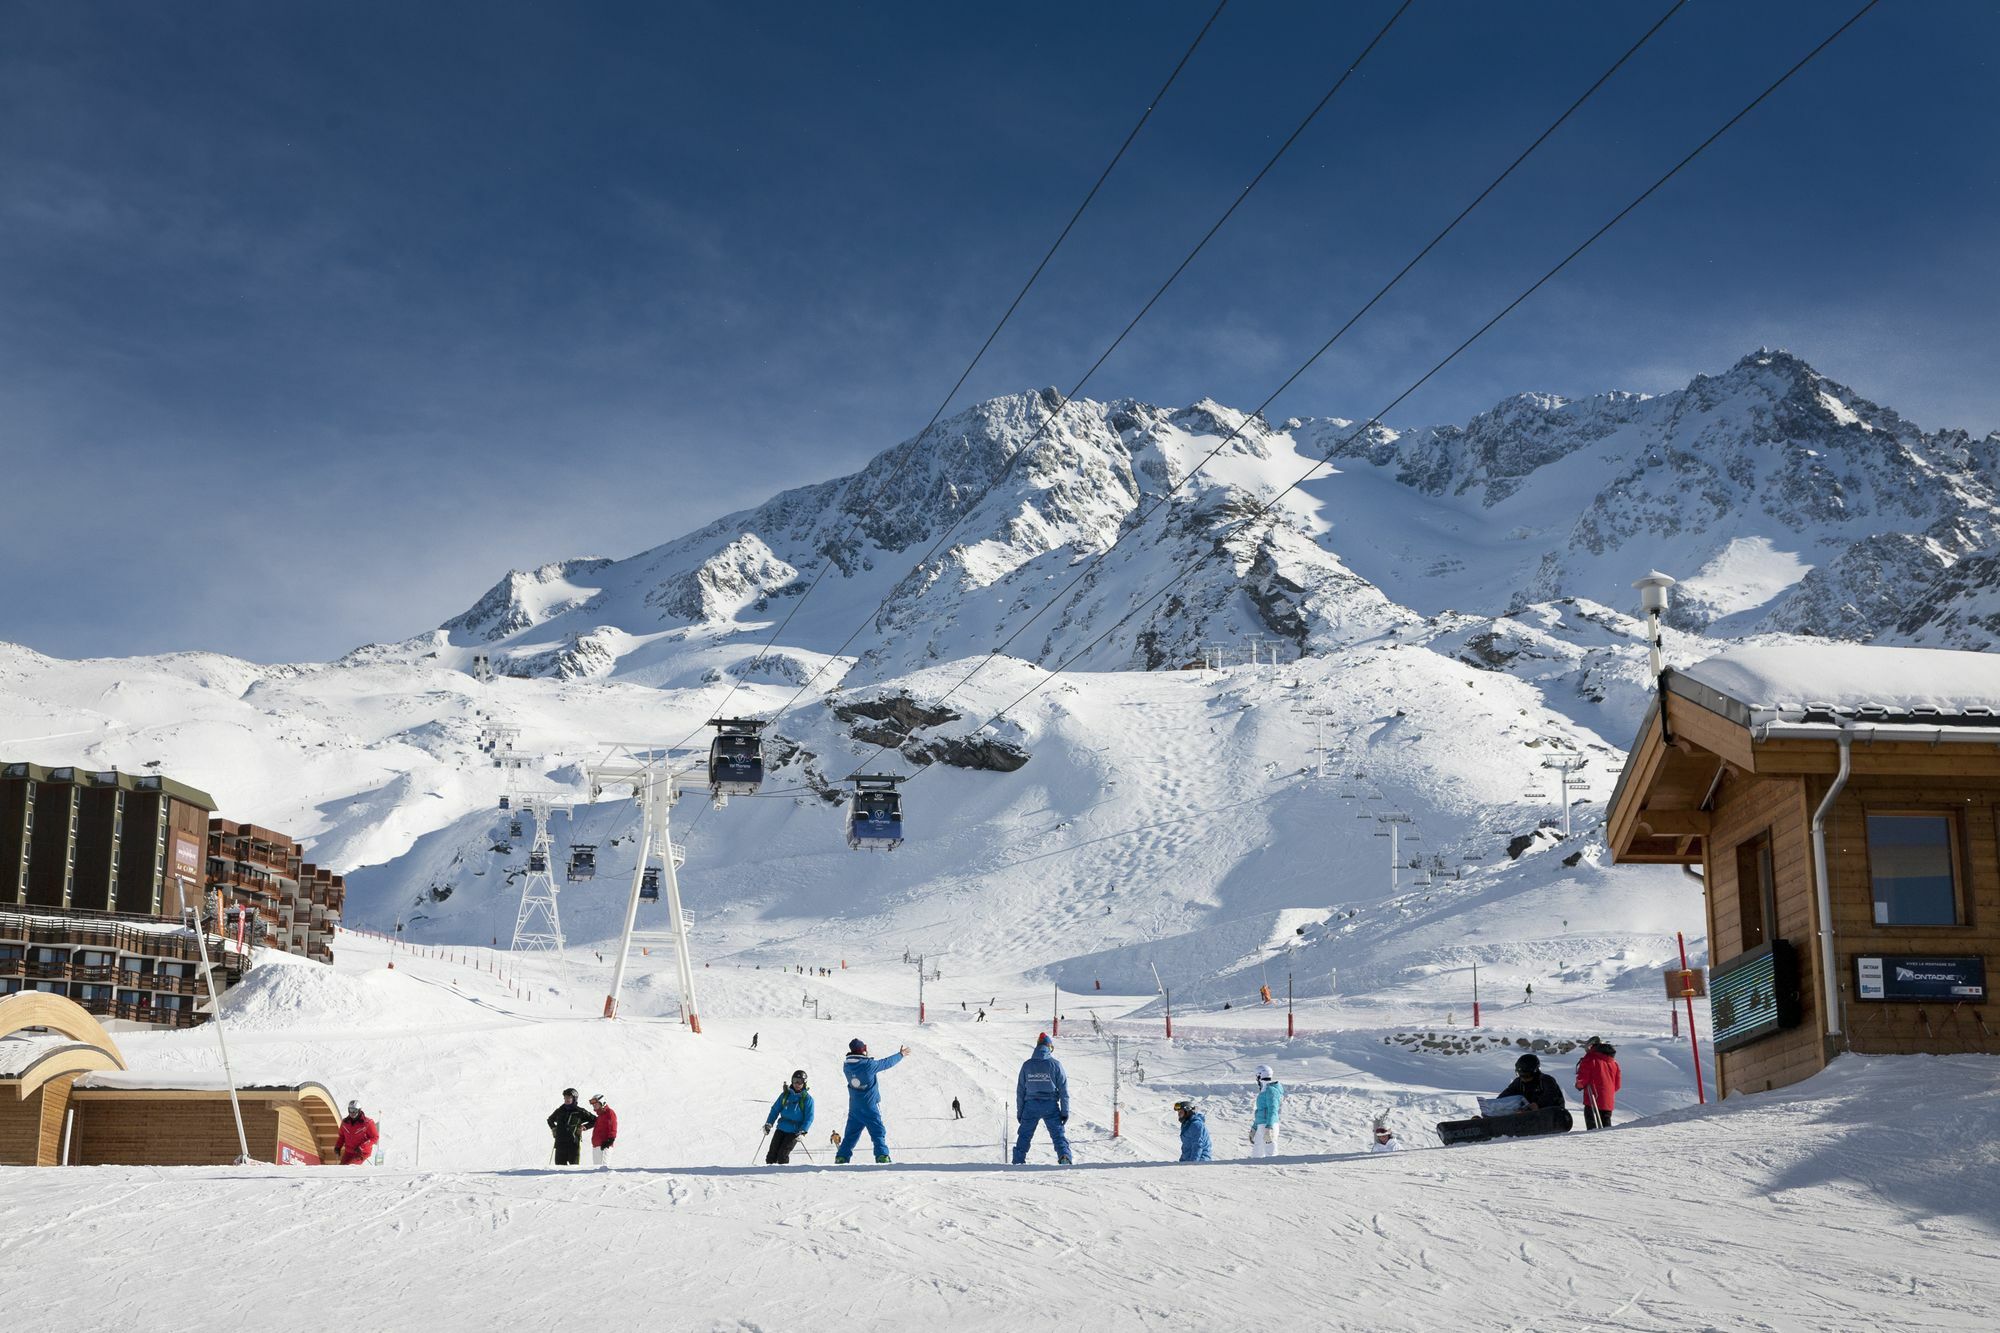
(676, 922)
(1475, 995)
(631, 908)
(1694, 1042)
(1055, 1009)
(1291, 1028)
(1114, 1085)
(215, 1018)
(920, 988)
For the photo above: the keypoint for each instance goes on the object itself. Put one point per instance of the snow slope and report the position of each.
(1825, 1206)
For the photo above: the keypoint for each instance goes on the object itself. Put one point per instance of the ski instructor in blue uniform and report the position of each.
(1041, 1095)
(864, 1099)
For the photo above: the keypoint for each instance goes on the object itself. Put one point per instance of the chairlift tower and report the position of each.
(648, 770)
(538, 926)
(1566, 762)
(1393, 821)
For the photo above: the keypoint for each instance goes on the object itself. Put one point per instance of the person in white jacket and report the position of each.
(1385, 1138)
(1264, 1125)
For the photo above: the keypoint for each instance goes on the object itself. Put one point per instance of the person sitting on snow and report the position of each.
(1195, 1144)
(1385, 1138)
(864, 1099)
(1541, 1092)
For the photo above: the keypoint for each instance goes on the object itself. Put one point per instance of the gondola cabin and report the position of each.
(513, 828)
(583, 861)
(875, 815)
(649, 885)
(503, 803)
(735, 758)
(538, 862)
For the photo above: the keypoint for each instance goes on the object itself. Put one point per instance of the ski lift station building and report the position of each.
(1841, 804)
(67, 1098)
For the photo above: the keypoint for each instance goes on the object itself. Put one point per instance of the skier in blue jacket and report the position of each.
(1264, 1124)
(864, 1100)
(791, 1115)
(1195, 1146)
(1041, 1096)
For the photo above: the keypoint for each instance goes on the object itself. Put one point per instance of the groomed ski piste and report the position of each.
(1865, 1198)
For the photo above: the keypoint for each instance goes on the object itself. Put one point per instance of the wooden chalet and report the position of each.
(1841, 805)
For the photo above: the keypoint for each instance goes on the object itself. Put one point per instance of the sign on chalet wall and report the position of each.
(1754, 995)
(1899, 977)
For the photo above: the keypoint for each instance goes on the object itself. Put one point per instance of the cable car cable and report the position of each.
(1127, 529)
(1267, 506)
(826, 561)
(1030, 444)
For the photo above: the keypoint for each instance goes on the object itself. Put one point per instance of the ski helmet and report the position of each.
(354, 1108)
(597, 1099)
(1264, 1074)
(798, 1076)
(1183, 1108)
(1528, 1064)
(569, 1092)
(857, 1047)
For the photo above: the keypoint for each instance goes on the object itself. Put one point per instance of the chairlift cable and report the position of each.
(868, 504)
(1029, 445)
(1134, 525)
(1265, 508)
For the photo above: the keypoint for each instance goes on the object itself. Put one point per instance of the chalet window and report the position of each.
(1756, 891)
(1912, 862)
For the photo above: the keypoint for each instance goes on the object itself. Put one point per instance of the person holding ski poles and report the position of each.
(358, 1137)
(1264, 1124)
(1598, 1077)
(1041, 1095)
(790, 1116)
(1195, 1144)
(864, 1100)
(567, 1122)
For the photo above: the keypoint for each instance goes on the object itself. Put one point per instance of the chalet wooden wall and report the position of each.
(1974, 802)
(1746, 806)
(189, 1131)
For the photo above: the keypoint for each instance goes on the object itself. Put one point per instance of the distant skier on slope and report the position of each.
(358, 1137)
(603, 1130)
(791, 1116)
(1041, 1095)
(1599, 1079)
(1264, 1124)
(567, 1122)
(753, 1041)
(864, 1099)
(957, 1112)
(1195, 1144)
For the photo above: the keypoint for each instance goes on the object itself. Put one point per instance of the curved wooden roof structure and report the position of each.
(38, 1009)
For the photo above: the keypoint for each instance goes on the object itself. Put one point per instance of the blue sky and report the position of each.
(316, 318)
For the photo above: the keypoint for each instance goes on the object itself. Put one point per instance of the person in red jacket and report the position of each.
(604, 1133)
(358, 1137)
(1597, 1076)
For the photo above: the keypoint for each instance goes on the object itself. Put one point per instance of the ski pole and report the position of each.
(759, 1150)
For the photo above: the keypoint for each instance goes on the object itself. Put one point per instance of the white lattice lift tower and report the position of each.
(1566, 762)
(1392, 822)
(538, 927)
(649, 771)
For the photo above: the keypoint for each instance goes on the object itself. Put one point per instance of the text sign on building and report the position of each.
(187, 859)
(290, 1156)
(1893, 977)
(1754, 995)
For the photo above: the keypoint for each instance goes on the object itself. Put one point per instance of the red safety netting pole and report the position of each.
(1475, 995)
(1694, 1043)
(1291, 1028)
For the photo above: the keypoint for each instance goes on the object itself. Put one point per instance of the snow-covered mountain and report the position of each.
(1449, 602)
(1784, 501)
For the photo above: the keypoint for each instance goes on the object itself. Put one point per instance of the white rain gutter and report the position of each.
(1845, 735)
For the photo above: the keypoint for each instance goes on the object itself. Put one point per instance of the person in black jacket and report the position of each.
(567, 1122)
(1542, 1092)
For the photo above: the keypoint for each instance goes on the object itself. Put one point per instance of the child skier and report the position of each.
(791, 1115)
(1195, 1144)
(603, 1131)
(1041, 1094)
(1385, 1138)
(1264, 1124)
(864, 1099)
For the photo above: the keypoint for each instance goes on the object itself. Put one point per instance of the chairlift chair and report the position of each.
(735, 758)
(875, 813)
(583, 861)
